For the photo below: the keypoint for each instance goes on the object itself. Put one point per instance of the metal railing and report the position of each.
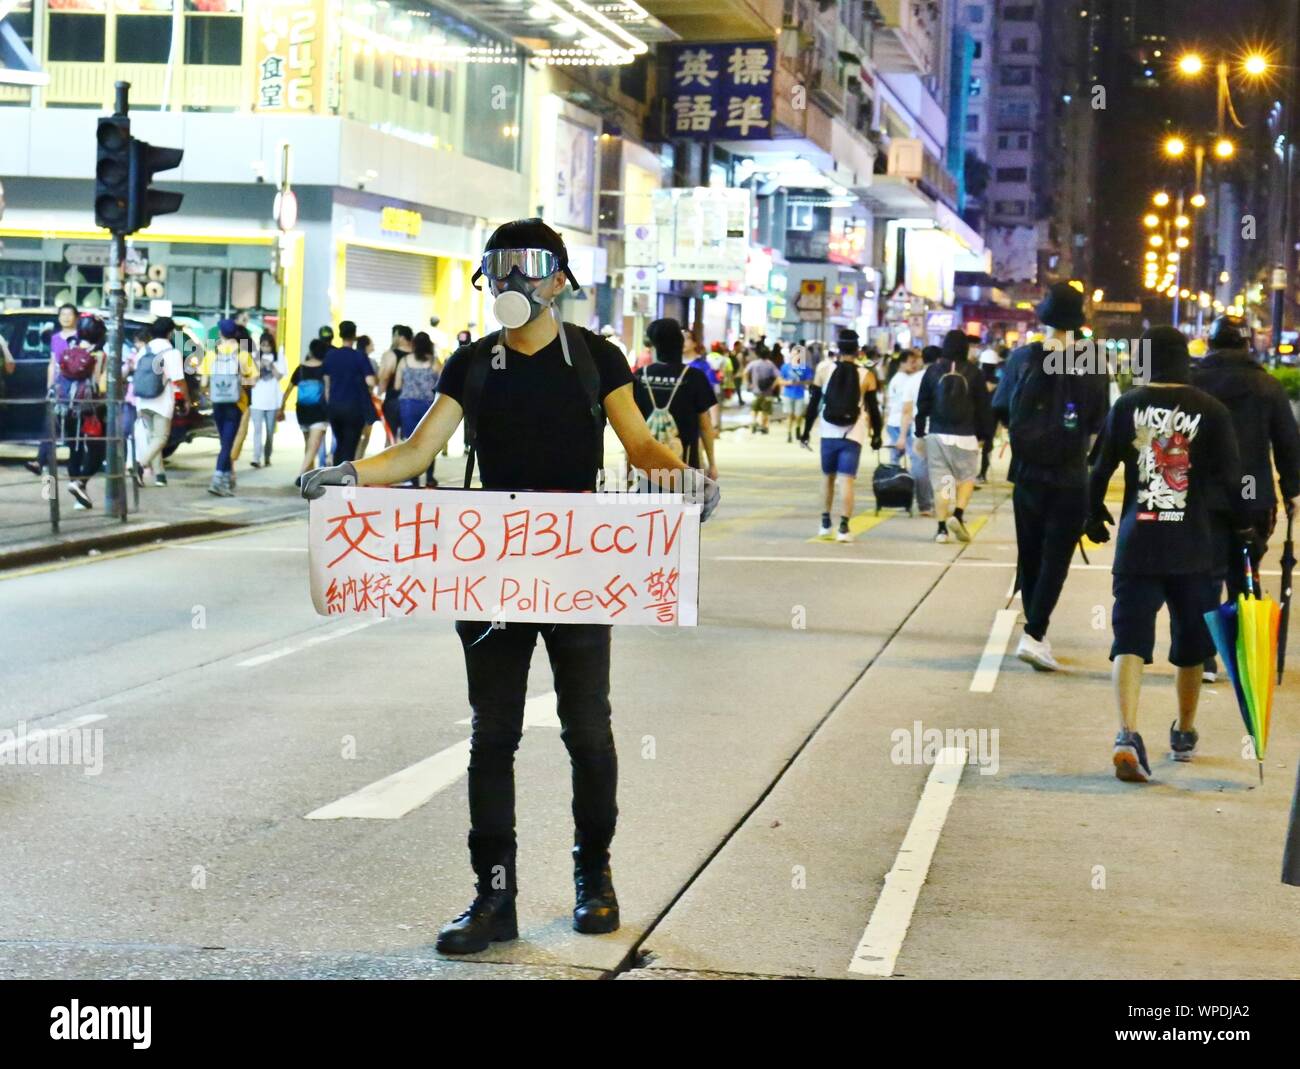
(56, 425)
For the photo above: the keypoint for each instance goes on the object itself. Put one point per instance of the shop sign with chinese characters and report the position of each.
(721, 92)
(505, 557)
(291, 54)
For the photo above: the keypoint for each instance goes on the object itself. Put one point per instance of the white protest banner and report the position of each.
(507, 557)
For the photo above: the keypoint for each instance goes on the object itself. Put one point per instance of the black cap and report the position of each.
(1061, 307)
(1169, 358)
(847, 342)
(1229, 332)
(666, 337)
(529, 234)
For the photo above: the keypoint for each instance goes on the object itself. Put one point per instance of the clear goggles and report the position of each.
(532, 263)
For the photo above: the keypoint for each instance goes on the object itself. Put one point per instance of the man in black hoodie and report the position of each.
(1266, 435)
(1053, 396)
(952, 419)
(1180, 458)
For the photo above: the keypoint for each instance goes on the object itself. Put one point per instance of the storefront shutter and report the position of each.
(385, 288)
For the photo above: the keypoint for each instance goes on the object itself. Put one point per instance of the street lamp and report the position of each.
(1156, 241)
(1191, 64)
(1151, 220)
(1182, 222)
(1255, 65)
(1198, 200)
(1161, 199)
(1175, 147)
(1224, 149)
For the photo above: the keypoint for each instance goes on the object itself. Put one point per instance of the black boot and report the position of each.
(596, 909)
(491, 916)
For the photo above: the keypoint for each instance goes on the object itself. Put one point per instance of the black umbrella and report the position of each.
(1291, 852)
(1288, 566)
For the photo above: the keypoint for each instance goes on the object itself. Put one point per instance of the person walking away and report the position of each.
(539, 422)
(349, 379)
(990, 364)
(366, 348)
(952, 418)
(265, 397)
(676, 399)
(719, 364)
(764, 379)
(843, 429)
(308, 379)
(1053, 398)
(225, 371)
(818, 355)
(245, 339)
(1176, 444)
(79, 414)
(1266, 436)
(398, 350)
(416, 380)
(158, 377)
(795, 376)
(900, 425)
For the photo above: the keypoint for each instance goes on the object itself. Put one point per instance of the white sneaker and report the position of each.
(942, 536)
(1209, 677)
(1038, 654)
(843, 536)
(824, 531)
(959, 529)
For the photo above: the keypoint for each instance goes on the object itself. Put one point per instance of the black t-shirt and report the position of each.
(693, 396)
(535, 430)
(1179, 453)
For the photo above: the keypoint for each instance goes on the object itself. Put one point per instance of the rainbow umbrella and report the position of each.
(1245, 634)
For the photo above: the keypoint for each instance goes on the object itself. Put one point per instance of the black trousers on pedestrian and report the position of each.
(1049, 522)
(347, 427)
(496, 664)
(810, 413)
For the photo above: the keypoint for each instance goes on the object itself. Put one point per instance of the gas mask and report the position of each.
(514, 276)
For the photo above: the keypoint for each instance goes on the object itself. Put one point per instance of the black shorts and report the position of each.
(1138, 599)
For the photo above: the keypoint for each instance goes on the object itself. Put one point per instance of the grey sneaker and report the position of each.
(1130, 758)
(1182, 744)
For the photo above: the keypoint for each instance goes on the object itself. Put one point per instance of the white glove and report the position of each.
(312, 483)
(699, 489)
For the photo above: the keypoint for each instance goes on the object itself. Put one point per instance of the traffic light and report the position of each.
(143, 202)
(113, 172)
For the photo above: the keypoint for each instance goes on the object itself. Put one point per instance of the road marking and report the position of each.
(986, 675)
(878, 950)
(40, 733)
(1013, 591)
(394, 796)
(904, 563)
(858, 525)
(235, 549)
(284, 651)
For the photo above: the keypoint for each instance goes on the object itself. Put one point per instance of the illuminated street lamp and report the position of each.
(1156, 241)
(1182, 222)
(1255, 65)
(1182, 243)
(1198, 200)
(1175, 147)
(1151, 220)
(1161, 199)
(1191, 64)
(1224, 149)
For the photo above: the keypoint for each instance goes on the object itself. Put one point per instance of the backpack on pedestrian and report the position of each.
(953, 404)
(765, 378)
(77, 363)
(1047, 425)
(223, 383)
(842, 398)
(147, 379)
(660, 421)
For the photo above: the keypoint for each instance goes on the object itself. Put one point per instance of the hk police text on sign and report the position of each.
(721, 91)
(479, 555)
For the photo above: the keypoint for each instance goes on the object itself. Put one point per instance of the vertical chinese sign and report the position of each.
(721, 92)
(505, 557)
(294, 68)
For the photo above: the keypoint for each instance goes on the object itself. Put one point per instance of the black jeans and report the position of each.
(1049, 521)
(496, 664)
(347, 427)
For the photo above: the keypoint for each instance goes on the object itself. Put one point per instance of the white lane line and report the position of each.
(906, 563)
(394, 796)
(986, 674)
(878, 950)
(20, 740)
(1013, 591)
(284, 651)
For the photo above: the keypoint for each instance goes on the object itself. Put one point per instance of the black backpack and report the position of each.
(842, 398)
(481, 364)
(952, 404)
(1040, 432)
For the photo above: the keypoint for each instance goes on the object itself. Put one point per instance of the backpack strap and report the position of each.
(589, 378)
(480, 363)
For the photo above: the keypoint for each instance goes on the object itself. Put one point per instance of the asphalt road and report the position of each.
(775, 821)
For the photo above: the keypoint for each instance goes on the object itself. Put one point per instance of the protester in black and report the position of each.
(1266, 435)
(535, 431)
(1053, 396)
(683, 390)
(1179, 453)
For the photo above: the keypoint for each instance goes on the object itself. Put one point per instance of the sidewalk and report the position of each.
(182, 508)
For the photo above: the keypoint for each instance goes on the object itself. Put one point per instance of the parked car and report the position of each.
(27, 332)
